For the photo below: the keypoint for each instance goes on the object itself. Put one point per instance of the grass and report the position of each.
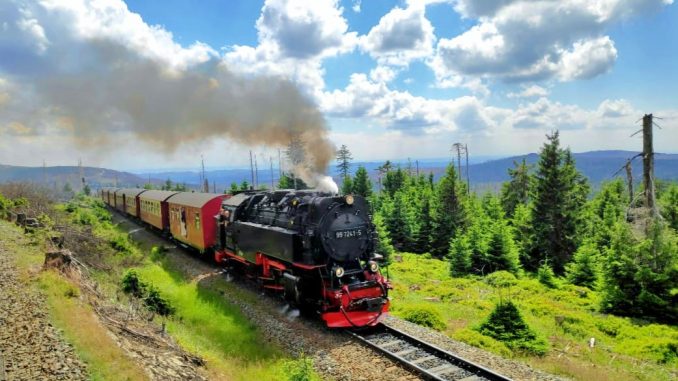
(626, 349)
(78, 323)
(204, 322)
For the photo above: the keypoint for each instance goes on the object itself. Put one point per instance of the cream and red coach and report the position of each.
(192, 218)
(153, 208)
(130, 198)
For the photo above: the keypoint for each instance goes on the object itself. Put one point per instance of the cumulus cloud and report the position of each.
(529, 92)
(105, 72)
(400, 36)
(294, 36)
(521, 40)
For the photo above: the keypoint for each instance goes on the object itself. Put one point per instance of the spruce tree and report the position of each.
(517, 190)
(344, 161)
(399, 223)
(558, 198)
(448, 215)
(584, 269)
(669, 204)
(422, 242)
(522, 226)
(502, 253)
(234, 188)
(394, 181)
(383, 244)
(361, 184)
(460, 256)
(347, 185)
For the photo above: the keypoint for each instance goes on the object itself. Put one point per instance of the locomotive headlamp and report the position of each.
(349, 199)
(339, 271)
(373, 266)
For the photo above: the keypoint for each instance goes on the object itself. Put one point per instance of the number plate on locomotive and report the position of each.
(348, 233)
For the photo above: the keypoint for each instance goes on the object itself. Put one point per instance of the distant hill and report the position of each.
(57, 177)
(596, 165)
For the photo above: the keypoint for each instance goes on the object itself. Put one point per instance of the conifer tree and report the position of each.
(398, 223)
(669, 203)
(448, 214)
(394, 181)
(383, 245)
(522, 226)
(422, 242)
(460, 256)
(517, 189)
(234, 188)
(502, 253)
(361, 184)
(347, 185)
(559, 196)
(344, 161)
(584, 269)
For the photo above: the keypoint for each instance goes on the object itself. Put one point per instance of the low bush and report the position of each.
(121, 244)
(546, 277)
(131, 284)
(299, 370)
(507, 325)
(425, 316)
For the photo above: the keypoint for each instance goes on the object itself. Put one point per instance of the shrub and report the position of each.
(156, 303)
(299, 370)
(507, 325)
(131, 284)
(121, 244)
(425, 316)
(546, 276)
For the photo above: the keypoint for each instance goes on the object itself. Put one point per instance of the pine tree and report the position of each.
(460, 256)
(288, 181)
(398, 223)
(86, 190)
(383, 246)
(502, 253)
(517, 190)
(347, 185)
(167, 185)
(522, 226)
(234, 188)
(507, 325)
(448, 214)
(559, 196)
(362, 185)
(344, 161)
(584, 269)
(669, 203)
(394, 181)
(422, 242)
(244, 186)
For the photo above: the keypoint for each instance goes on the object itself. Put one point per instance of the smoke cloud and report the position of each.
(91, 70)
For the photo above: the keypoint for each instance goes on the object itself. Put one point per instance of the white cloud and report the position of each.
(294, 37)
(356, 6)
(401, 36)
(521, 40)
(530, 91)
(616, 108)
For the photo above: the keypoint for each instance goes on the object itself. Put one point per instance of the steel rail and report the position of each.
(447, 362)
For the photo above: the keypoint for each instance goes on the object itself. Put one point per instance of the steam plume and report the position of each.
(93, 86)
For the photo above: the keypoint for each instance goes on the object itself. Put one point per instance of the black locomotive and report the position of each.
(318, 249)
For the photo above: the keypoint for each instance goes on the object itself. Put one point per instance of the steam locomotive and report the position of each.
(316, 249)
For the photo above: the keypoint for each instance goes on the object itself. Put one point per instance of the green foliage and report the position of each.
(394, 181)
(86, 190)
(234, 188)
(641, 277)
(448, 212)
(669, 204)
(300, 370)
(522, 228)
(517, 190)
(422, 237)
(383, 246)
(290, 181)
(131, 284)
(121, 244)
(398, 221)
(546, 276)
(506, 324)
(245, 186)
(361, 184)
(344, 161)
(559, 195)
(584, 270)
(425, 316)
(347, 185)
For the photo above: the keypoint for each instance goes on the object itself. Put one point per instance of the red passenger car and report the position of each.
(130, 196)
(191, 218)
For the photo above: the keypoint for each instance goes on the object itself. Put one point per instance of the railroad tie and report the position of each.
(390, 343)
(423, 359)
(473, 378)
(441, 369)
(405, 352)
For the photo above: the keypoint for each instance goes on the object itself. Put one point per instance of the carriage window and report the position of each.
(197, 221)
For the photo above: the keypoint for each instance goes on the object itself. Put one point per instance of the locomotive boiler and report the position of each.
(315, 248)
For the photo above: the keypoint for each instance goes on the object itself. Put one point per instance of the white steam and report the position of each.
(327, 184)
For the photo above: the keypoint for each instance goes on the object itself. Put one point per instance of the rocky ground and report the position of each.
(30, 347)
(335, 355)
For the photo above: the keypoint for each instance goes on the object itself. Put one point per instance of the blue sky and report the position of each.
(120, 82)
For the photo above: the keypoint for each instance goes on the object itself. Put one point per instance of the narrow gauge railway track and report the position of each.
(425, 359)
